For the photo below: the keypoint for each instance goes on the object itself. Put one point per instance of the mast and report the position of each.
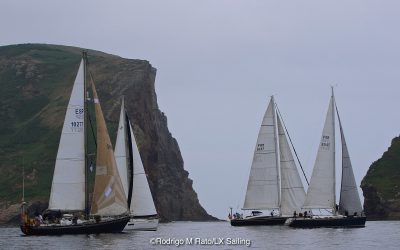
(334, 152)
(85, 113)
(278, 166)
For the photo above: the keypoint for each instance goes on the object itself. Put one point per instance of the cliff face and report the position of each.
(36, 81)
(381, 185)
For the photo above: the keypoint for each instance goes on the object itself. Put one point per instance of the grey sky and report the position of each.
(219, 61)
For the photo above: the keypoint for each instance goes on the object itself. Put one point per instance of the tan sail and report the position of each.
(108, 197)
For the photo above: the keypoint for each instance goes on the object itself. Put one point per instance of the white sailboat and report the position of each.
(321, 193)
(134, 180)
(274, 182)
(69, 195)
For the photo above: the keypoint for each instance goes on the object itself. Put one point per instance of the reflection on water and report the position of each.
(218, 235)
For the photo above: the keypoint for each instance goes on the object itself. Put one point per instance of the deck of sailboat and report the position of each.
(259, 221)
(106, 226)
(328, 221)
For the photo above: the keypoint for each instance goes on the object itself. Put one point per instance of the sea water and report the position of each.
(377, 235)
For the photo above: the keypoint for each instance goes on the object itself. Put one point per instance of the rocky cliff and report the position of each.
(36, 81)
(381, 185)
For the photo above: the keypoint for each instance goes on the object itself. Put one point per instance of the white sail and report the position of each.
(292, 189)
(349, 198)
(263, 189)
(68, 186)
(321, 191)
(120, 152)
(142, 203)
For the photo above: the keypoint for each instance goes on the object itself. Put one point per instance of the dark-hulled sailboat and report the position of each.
(321, 193)
(69, 197)
(274, 182)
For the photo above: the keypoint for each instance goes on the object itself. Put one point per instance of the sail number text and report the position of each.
(325, 142)
(76, 124)
(79, 113)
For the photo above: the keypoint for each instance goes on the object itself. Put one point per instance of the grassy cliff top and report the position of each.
(384, 174)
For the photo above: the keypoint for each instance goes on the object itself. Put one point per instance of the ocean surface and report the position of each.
(377, 235)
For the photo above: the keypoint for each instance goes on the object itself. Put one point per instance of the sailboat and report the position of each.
(321, 193)
(134, 180)
(274, 182)
(69, 208)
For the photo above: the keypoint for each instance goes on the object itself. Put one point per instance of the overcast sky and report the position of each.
(218, 62)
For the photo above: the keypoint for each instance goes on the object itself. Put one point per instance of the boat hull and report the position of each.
(328, 222)
(142, 224)
(259, 221)
(111, 226)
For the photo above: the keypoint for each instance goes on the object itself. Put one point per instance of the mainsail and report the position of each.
(292, 190)
(349, 198)
(68, 186)
(108, 197)
(321, 191)
(263, 188)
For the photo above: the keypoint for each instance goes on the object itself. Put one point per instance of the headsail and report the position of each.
(263, 188)
(108, 197)
(293, 193)
(68, 186)
(349, 198)
(321, 191)
(142, 203)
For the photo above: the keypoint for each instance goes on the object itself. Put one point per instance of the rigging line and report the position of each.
(341, 139)
(291, 143)
(92, 129)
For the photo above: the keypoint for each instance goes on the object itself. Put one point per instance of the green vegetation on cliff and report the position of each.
(381, 185)
(31, 77)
